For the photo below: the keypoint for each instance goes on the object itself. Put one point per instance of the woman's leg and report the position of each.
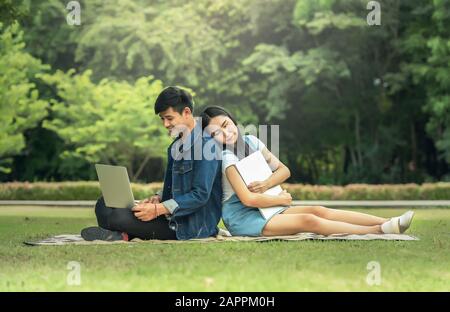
(352, 217)
(288, 224)
(123, 220)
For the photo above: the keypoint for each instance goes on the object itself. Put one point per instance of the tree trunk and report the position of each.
(142, 166)
(358, 139)
(413, 146)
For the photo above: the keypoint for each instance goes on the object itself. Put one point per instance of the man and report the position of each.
(190, 203)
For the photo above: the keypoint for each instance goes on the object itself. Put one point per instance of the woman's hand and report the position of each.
(286, 198)
(258, 186)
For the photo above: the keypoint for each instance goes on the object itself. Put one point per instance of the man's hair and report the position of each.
(174, 97)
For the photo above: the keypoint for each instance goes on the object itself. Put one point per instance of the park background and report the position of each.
(363, 109)
(356, 103)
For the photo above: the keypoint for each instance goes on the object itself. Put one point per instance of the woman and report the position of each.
(239, 200)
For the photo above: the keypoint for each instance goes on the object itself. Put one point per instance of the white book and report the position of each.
(255, 168)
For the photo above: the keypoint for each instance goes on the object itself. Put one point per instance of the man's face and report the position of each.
(175, 122)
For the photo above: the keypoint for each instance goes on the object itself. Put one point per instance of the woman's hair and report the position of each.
(213, 111)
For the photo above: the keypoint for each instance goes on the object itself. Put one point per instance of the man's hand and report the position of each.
(258, 186)
(145, 211)
(155, 199)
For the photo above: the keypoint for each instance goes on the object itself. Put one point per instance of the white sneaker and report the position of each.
(392, 226)
(398, 225)
(405, 220)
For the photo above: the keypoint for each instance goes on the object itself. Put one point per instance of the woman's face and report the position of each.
(223, 130)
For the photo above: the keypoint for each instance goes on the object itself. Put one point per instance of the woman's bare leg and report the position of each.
(352, 217)
(288, 224)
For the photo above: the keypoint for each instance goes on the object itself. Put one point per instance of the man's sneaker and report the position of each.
(98, 233)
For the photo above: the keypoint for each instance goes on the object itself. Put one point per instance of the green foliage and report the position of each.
(91, 191)
(411, 191)
(11, 11)
(128, 39)
(20, 105)
(339, 266)
(317, 16)
(425, 50)
(47, 33)
(305, 9)
(437, 77)
(66, 191)
(111, 122)
(355, 103)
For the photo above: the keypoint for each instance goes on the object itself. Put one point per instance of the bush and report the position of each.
(426, 191)
(65, 190)
(91, 191)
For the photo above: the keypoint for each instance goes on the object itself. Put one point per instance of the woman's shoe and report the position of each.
(405, 220)
(392, 226)
(398, 225)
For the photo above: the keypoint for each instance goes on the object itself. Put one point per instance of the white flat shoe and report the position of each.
(405, 220)
(392, 226)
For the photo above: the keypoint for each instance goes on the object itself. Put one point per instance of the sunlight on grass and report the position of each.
(230, 266)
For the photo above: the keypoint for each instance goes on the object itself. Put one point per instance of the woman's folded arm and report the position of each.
(251, 199)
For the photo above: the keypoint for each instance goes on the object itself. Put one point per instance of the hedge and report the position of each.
(426, 191)
(91, 191)
(65, 190)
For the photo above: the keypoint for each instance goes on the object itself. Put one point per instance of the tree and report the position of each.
(20, 106)
(355, 103)
(326, 82)
(111, 122)
(423, 62)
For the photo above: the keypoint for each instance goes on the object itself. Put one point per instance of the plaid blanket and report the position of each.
(73, 239)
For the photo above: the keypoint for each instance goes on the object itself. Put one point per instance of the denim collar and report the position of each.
(194, 137)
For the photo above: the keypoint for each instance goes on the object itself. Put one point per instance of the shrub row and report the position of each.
(91, 191)
(426, 191)
(65, 190)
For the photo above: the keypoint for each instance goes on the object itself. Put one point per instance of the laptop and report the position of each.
(115, 186)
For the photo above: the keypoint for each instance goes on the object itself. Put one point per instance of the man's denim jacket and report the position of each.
(192, 189)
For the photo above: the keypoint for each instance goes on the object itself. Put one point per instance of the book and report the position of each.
(255, 168)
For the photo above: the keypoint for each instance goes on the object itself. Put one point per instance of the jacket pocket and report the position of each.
(182, 167)
(182, 182)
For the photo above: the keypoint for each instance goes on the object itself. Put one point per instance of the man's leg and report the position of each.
(102, 213)
(123, 220)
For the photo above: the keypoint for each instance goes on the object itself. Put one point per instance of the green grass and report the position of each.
(245, 266)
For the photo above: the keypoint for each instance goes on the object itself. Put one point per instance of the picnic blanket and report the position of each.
(74, 239)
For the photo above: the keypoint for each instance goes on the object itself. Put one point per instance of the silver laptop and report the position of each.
(115, 186)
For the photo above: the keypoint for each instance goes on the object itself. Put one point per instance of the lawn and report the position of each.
(245, 266)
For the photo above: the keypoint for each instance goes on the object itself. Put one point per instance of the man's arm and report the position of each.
(204, 175)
